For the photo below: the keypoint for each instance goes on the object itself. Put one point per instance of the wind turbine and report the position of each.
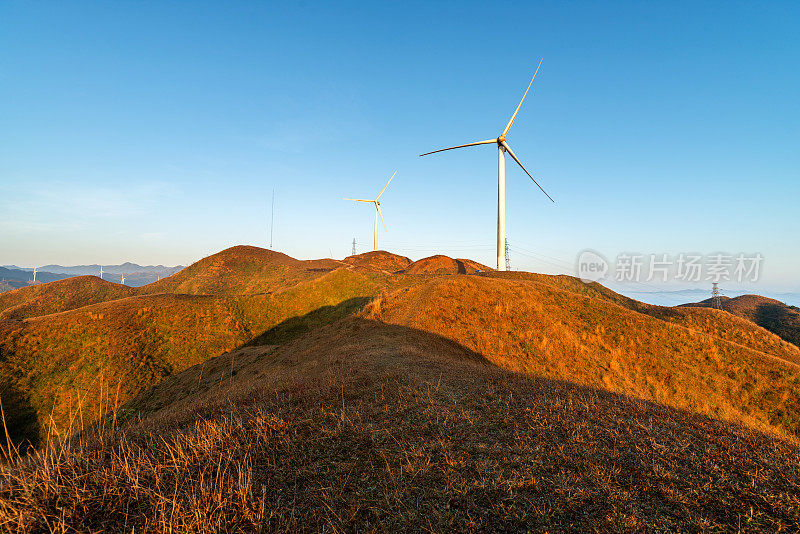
(377, 204)
(34, 274)
(502, 148)
(101, 272)
(123, 279)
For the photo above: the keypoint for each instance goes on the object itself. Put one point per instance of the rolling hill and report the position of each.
(12, 278)
(362, 425)
(240, 270)
(378, 260)
(773, 315)
(500, 387)
(58, 296)
(444, 265)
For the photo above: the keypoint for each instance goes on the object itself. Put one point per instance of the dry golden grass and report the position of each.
(363, 426)
(58, 296)
(57, 367)
(378, 260)
(445, 265)
(714, 364)
(505, 401)
(240, 270)
(773, 315)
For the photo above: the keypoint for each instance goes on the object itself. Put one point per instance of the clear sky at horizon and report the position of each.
(155, 132)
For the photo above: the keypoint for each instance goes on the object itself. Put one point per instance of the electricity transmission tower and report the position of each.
(716, 300)
(508, 259)
(354, 247)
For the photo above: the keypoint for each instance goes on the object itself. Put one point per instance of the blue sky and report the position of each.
(155, 132)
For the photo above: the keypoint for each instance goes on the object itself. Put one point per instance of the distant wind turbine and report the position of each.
(34, 274)
(101, 272)
(502, 148)
(377, 204)
(123, 279)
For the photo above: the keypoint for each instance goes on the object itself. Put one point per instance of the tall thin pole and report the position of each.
(272, 219)
(501, 208)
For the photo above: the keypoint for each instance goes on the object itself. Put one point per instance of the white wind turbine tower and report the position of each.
(34, 274)
(123, 279)
(502, 148)
(101, 272)
(377, 204)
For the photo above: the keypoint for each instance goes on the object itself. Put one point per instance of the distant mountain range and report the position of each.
(16, 278)
(684, 296)
(125, 268)
(136, 275)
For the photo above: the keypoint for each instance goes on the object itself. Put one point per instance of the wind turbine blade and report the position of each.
(385, 186)
(359, 200)
(377, 206)
(511, 153)
(487, 142)
(514, 116)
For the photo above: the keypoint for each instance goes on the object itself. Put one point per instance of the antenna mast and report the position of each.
(716, 301)
(272, 219)
(508, 260)
(354, 247)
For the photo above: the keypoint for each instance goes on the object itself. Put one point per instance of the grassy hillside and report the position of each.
(444, 265)
(58, 296)
(78, 363)
(240, 270)
(717, 365)
(378, 260)
(771, 314)
(366, 426)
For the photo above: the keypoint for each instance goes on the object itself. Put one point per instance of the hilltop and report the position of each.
(445, 265)
(240, 270)
(378, 260)
(114, 338)
(58, 296)
(774, 315)
(458, 379)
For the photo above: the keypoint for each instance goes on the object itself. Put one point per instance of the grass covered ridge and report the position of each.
(361, 425)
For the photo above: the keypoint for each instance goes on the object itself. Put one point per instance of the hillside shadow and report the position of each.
(780, 320)
(20, 420)
(296, 326)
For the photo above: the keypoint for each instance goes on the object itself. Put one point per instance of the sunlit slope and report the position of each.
(58, 296)
(725, 326)
(774, 315)
(81, 358)
(708, 363)
(440, 264)
(378, 260)
(367, 426)
(240, 270)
